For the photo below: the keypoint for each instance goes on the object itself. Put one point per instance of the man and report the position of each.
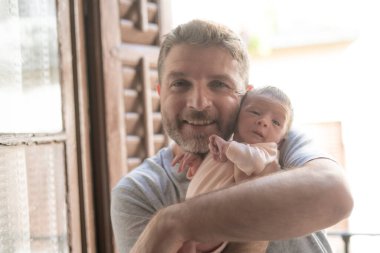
(203, 68)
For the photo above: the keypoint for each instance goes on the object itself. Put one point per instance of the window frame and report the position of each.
(75, 132)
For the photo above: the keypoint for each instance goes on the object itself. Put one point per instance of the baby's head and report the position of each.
(266, 115)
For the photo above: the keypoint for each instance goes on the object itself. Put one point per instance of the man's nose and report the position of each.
(200, 99)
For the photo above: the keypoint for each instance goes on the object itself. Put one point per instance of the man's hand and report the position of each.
(160, 235)
(163, 234)
(188, 247)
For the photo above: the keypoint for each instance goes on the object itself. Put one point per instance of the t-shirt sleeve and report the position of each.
(137, 197)
(130, 213)
(298, 149)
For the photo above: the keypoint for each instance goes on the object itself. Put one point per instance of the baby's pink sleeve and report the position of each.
(251, 158)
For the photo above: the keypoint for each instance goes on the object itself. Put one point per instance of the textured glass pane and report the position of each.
(33, 210)
(47, 202)
(30, 95)
(14, 213)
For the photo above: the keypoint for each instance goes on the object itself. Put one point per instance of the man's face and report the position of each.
(198, 95)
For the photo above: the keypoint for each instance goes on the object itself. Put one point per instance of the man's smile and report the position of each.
(197, 122)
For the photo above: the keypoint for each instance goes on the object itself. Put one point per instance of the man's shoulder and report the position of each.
(151, 169)
(297, 135)
(298, 148)
(294, 140)
(153, 177)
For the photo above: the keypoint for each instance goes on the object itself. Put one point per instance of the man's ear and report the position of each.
(158, 88)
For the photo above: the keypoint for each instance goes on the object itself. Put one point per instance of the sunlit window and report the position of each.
(30, 96)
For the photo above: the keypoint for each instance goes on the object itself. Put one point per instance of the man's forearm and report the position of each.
(278, 206)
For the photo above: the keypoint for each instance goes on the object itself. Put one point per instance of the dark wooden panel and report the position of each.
(83, 127)
(65, 36)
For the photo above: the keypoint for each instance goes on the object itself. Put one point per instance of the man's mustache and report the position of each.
(194, 115)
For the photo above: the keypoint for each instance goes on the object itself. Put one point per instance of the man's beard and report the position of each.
(196, 142)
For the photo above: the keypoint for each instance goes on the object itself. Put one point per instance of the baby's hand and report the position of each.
(187, 159)
(218, 147)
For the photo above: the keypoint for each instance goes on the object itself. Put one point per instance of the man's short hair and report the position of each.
(206, 33)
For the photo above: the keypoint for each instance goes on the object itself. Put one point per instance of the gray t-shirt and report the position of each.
(156, 184)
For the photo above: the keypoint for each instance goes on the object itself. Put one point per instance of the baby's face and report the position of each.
(262, 119)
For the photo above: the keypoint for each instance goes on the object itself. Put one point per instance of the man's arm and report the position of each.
(278, 206)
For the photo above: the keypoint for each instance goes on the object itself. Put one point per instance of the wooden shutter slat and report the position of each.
(127, 10)
(129, 78)
(133, 143)
(130, 55)
(124, 7)
(129, 33)
(143, 15)
(129, 75)
(132, 122)
(159, 141)
(133, 162)
(131, 100)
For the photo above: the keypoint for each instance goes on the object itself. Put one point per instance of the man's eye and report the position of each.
(218, 85)
(276, 123)
(179, 84)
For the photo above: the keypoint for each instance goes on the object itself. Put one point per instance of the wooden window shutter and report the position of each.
(123, 38)
(130, 56)
(140, 34)
(126, 100)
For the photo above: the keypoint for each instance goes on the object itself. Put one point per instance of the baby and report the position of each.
(263, 122)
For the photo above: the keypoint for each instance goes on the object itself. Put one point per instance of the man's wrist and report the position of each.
(170, 220)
